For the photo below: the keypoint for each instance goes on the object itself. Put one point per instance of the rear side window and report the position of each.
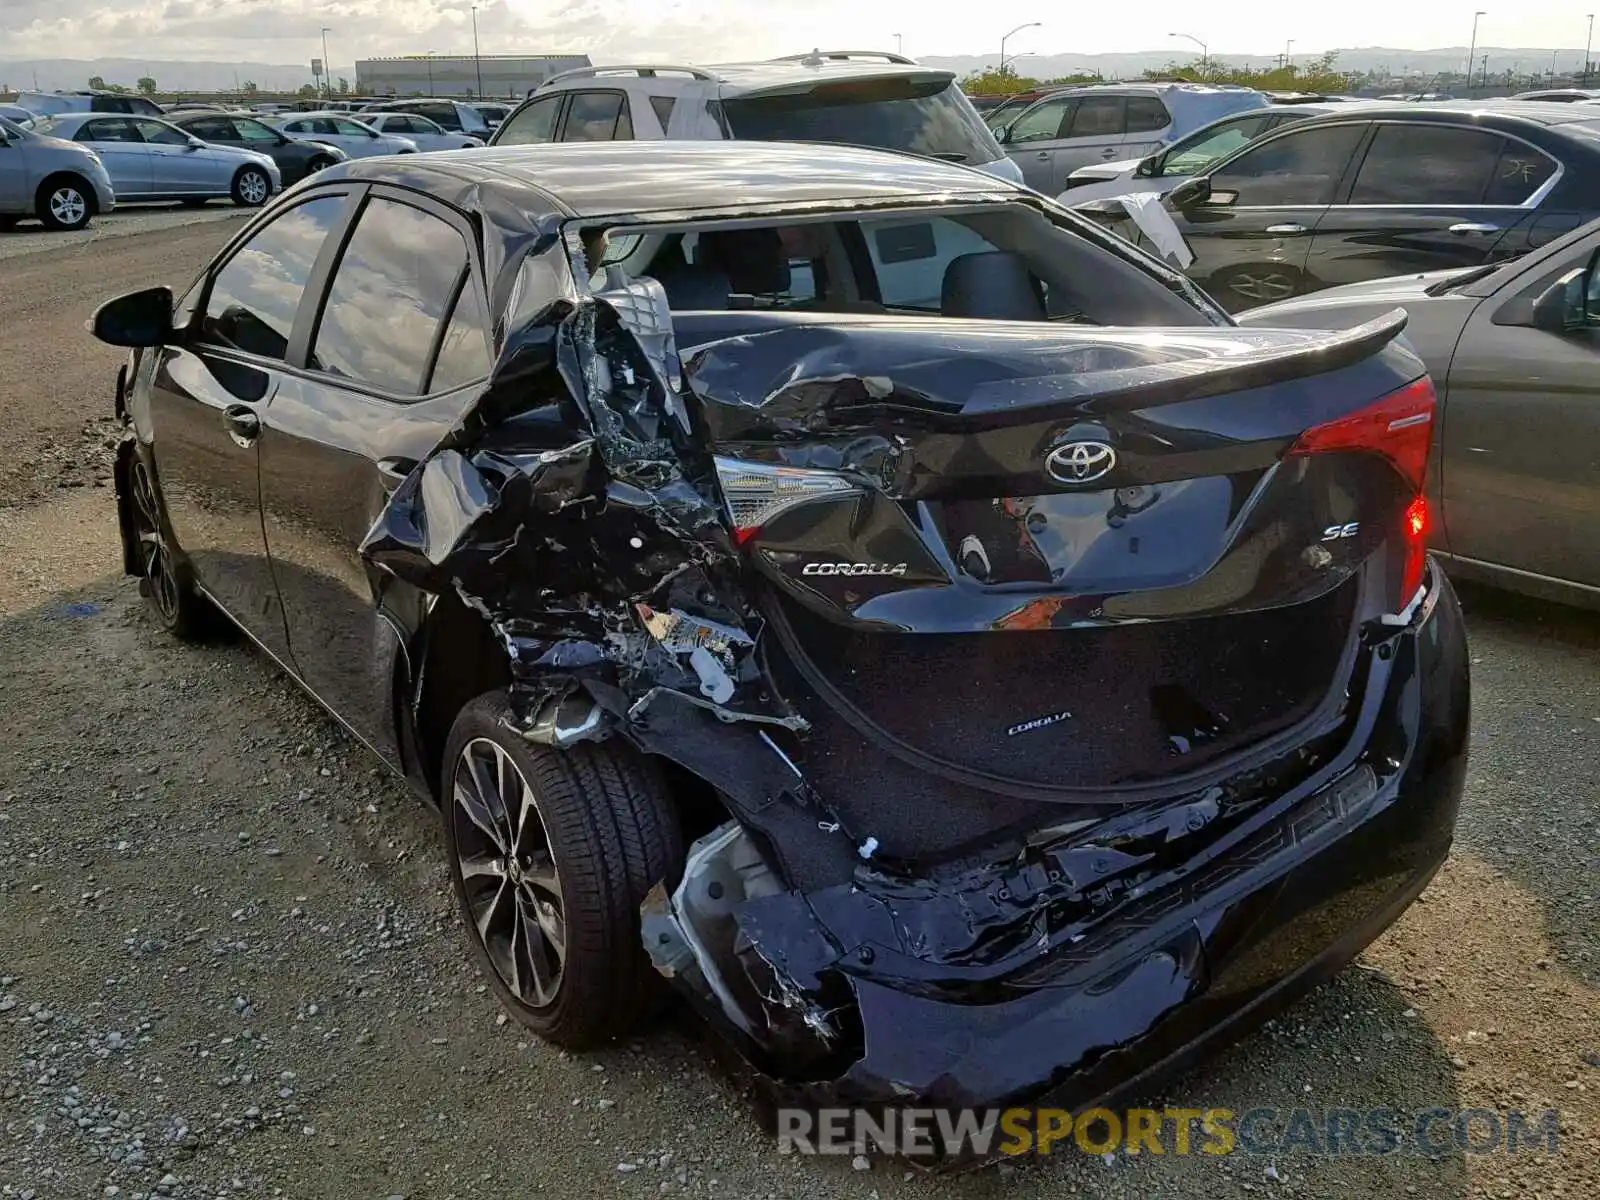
(441, 114)
(1428, 164)
(910, 258)
(108, 129)
(663, 106)
(1146, 114)
(598, 117)
(212, 129)
(255, 295)
(394, 283)
(1099, 116)
(531, 125)
(929, 117)
(1299, 168)
(464, 348)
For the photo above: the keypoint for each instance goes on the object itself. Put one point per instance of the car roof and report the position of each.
(626, 178)
(737, 78)
(1505, 115)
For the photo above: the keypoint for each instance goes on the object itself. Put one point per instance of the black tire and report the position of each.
(252, 187)
(601, 829)
(165, 582)
(8, 222)
(64, 202)
(320, 163)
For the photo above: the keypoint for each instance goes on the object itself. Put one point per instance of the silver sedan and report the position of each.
(149, 159)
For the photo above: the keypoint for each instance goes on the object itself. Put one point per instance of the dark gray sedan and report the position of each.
(1514, 350)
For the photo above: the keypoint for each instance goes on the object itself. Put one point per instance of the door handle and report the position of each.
(1044, 156)
(393, 471)
(1474, 227)
(1108, 153)
(1286, 229)
(242, 424)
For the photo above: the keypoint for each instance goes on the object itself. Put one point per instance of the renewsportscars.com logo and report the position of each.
(1211, 1131)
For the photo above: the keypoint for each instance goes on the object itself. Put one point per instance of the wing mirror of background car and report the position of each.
(137, 319)
(195, 144)
(1570, 302)
(1003, 134)
(1147, 167)
(1197, 191)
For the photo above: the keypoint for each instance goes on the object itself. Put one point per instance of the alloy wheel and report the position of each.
(160, 571)
(253, 187)
(512, 888)
(68, 206)
(1265, 285)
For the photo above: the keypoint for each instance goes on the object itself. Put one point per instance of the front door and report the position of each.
(1035, 136)
(1252, 235)
(208, 397)
(1522, 436)
(123, 151)
(1428, 197)
(177, 166)
(400, 351)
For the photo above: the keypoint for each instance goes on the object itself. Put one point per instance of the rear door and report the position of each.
(1035, 137)
(1149, 124)
(1522, 435)
(123, 151)
(1252, 235)
(209, 395)
(398, 353)
(1427, 197)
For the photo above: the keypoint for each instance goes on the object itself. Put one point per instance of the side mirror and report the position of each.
(1564, 305)
(1003, 134)
(195, 144)
(137, 319)
(1147, 167)
(1190, 192)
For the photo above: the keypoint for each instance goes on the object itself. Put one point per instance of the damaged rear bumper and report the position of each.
(1074, 1013)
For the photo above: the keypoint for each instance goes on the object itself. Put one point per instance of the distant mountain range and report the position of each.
(51, 73)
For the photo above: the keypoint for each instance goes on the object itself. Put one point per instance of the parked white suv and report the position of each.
(857, 97)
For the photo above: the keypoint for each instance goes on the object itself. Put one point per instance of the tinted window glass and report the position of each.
(910, 257)
(1044, 121)
(1099, 116)
(347, 128)
(254, 131)
(108, 129)
(924, 117)
(1195, 153)
(464, 350)
(159, 133)
(1521, 171)
(663, 106)
(212, 129)
(1146, 114)
(1427, 164)
(442, 114)
(390, 290)
(254, 297)
(596, 117)
(536, 123)
(1302, 167)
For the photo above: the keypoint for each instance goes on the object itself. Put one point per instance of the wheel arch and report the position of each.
(122, 486)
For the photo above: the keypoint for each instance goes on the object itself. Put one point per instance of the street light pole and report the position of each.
(477, 59)
(326, 89)
(1587, 43)
(1205, 58)
(430, 72)
(900, 45)
(1288, 58)
(1472, 52)
(1001, 69)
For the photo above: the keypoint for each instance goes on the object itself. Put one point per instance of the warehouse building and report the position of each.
(504, 75)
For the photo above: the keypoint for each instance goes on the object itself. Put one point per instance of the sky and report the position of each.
(710, 30)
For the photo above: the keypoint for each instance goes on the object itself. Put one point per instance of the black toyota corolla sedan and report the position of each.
(920, 626)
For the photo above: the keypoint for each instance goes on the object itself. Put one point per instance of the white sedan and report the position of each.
(337, 129)
(428, 135)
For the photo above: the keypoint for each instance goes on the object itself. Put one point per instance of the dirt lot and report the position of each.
(229, 965)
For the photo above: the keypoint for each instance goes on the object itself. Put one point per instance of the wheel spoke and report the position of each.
(481, 818)
(481, 866)
(540, 875)
(543, 953)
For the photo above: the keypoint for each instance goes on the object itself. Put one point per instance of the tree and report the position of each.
(306, 90)
(344, 86)
(146, 85)
(1318, 75)
(995, 82)
(97, 83)
(249, 88)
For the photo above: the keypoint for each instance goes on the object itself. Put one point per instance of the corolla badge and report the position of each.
(1080, 462)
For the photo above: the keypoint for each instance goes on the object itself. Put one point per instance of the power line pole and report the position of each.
(477, 60)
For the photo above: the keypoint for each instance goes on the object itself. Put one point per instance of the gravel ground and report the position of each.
(32, 238)
(230, 965)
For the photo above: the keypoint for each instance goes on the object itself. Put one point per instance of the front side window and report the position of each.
(1043, 122)
(254, 297)
(391, 289)
(1428, 164)
(1198, 151)
(255, 131)
(159, 133)
(910, 257)
(597, 117)
(531, 125)
(212, 129)
(1298, 169)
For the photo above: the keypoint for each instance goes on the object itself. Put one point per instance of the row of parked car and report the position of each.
(71, 157)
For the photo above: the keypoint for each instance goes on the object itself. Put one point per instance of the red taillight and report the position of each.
(1399, 428)
(1415, 529)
